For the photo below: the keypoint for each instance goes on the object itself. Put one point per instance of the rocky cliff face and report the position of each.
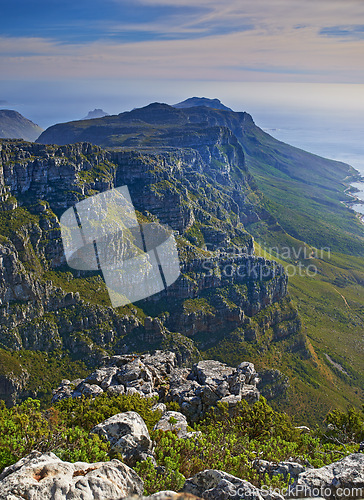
(204, 193)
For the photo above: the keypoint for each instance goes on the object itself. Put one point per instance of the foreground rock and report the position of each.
(196, 389)
(45, 477)
(173, 421)
(127, 435)
(213, 484)
(280, 468)
(342, 479)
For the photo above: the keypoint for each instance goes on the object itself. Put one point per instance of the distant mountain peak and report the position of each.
(202, 101)
(96, 113)
(13, 125)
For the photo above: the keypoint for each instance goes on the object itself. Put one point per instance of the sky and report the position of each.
(60, 59)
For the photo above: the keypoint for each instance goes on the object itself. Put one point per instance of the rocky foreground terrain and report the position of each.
(40, 476)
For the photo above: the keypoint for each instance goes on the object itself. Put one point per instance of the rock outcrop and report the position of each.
(166, 495)
(293, 469)
(44, 476)
(196, 390)
(213, 484)
(342, 479)
(128, 436)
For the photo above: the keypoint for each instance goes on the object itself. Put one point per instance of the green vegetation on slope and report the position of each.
(227, 441)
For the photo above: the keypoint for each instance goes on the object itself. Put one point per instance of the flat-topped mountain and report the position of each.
(202, 101)
(13, 125)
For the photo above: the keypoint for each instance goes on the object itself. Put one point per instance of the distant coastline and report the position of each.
(344, 145)
(356, 191)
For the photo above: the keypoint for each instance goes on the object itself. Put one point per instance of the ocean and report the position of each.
(342, 141)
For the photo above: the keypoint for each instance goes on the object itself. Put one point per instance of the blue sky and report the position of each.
(60, 58)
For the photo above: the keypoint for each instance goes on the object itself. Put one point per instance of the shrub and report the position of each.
(345, 427)
(86, 412)
(24, 428)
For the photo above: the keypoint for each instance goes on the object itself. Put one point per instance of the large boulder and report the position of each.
(45, 477)
(173, 421)
(342, 479)
(210, 372)
(128, 435)
(293, 469)
(212, 484)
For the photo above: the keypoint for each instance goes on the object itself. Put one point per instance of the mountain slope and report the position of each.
(301, 208)
(14, 126)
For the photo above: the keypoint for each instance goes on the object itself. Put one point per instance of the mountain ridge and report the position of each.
(312, 187)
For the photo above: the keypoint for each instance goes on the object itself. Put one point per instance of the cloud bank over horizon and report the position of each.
(284, 40)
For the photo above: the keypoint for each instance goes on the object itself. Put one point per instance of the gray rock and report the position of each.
(88, 389)
(142, 387)
(250, 394)
(134, 370)
(344, 479)
(45, 477)
(231, 400)
(166, 495)
(115, 390)
(210, 372)
(127, 435)
(247, 369)
(162, 362)
(159, 407)
(283, 468)
(102, 377)
(171, 495)
(173, 421)
(213, 484)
